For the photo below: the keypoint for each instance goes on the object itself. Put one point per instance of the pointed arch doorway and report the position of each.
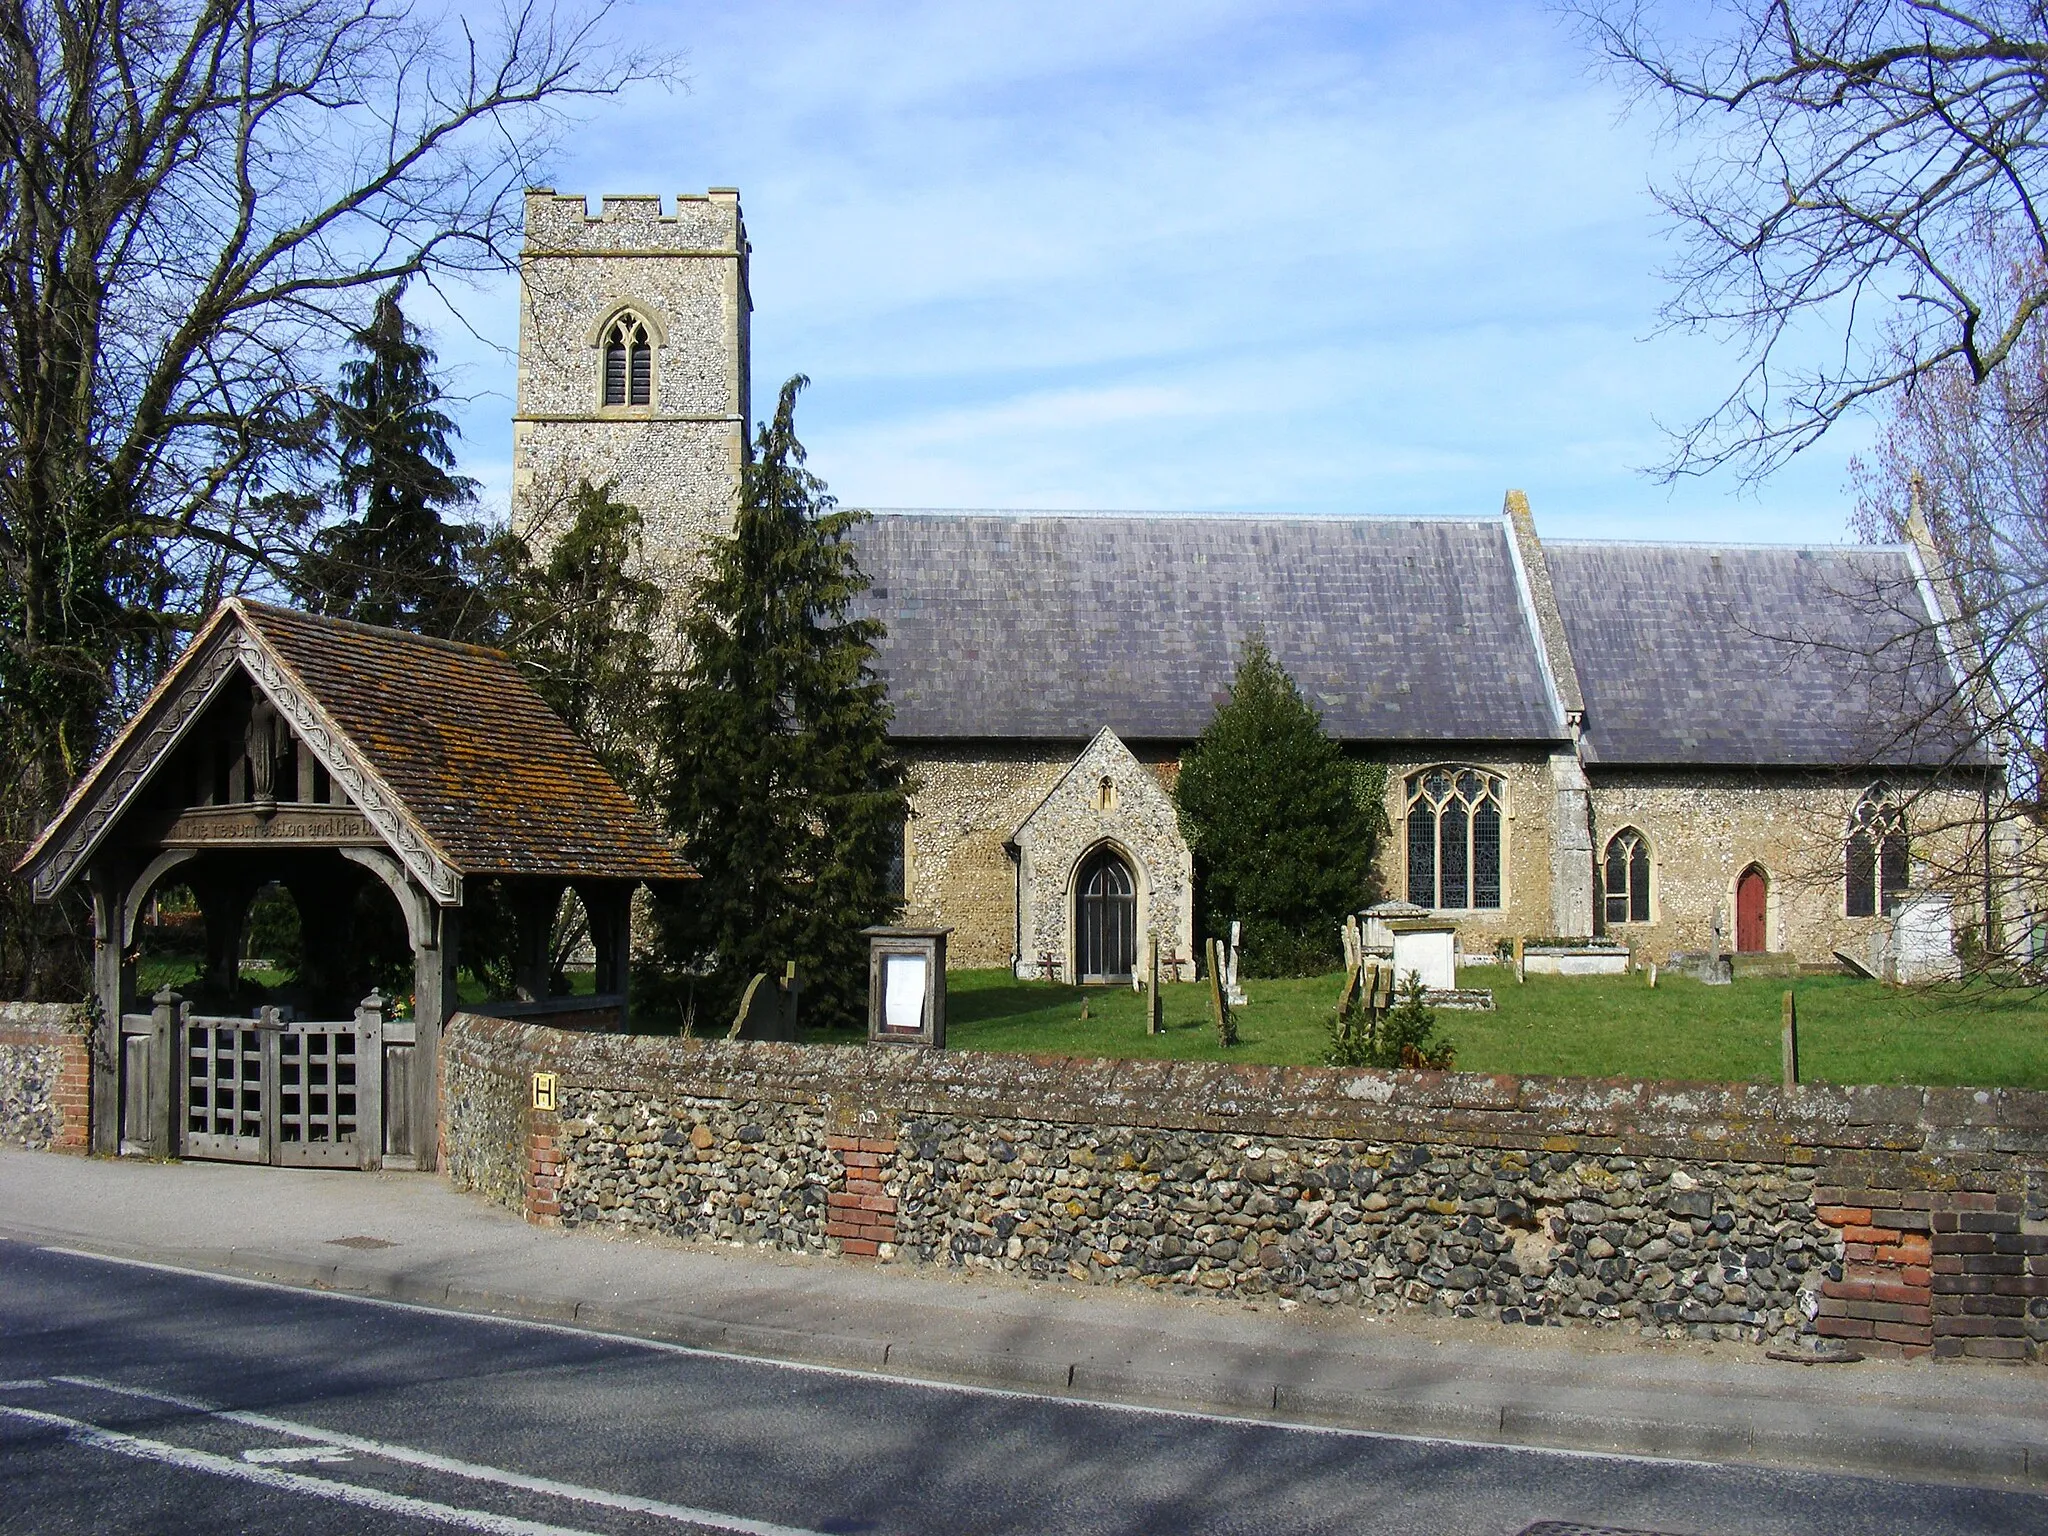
(1752, 903)
(1105, 918)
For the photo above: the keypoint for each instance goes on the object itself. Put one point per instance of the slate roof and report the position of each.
(1696, 654)
(486, 772)
(1053, 626)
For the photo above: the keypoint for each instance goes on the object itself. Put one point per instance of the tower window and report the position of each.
(628, 363)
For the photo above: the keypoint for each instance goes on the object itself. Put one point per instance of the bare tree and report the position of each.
(198, 200)
(1961, 468)
(1849, 155)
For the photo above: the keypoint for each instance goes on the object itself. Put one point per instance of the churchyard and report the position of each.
(1850, 1030)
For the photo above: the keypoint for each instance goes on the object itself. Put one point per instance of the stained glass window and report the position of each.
(1422, 854)
(1455, 839)
(1486, 854)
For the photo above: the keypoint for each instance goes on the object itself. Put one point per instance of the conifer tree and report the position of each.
(581, 622)
(396, 558)
(780, 778)
(1268, 805)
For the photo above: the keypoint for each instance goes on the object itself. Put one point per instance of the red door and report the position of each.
(1750, 893)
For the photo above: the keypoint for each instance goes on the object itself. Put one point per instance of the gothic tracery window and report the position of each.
(1876, 858)
(628, 362)
(1454, 839)
(1626, 882)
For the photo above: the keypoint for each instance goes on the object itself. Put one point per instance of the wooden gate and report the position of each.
(260, 1090)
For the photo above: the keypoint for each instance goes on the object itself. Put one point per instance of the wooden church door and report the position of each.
(1106, 907)
(1752, 893)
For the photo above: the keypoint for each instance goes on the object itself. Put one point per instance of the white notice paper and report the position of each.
(903, 993)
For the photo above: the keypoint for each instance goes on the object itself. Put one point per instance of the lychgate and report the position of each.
(384, 780)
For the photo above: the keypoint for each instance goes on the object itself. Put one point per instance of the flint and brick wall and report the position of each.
(1957, 1272)
(46, 1075)
(1729, 1211)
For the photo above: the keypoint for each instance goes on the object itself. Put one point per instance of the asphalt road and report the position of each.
(136, 1399)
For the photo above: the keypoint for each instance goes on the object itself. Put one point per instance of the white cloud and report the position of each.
(1288, 257)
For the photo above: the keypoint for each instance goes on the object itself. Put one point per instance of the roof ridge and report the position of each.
(254, 608)
(1106, 514)
(1755, 546)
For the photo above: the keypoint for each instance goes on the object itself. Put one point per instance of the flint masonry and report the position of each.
(1674, 745)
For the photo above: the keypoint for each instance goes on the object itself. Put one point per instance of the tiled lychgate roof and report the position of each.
(487, 770)
(1043, 625)
(1695, 654)
(486, 779)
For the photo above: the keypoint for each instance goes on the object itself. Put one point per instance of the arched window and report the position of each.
(628, 362)
(1627, 877)
(1454, 839)
(1877, 857)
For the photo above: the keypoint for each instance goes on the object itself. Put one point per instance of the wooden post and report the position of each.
(1520, 974)
(370, 1081)
(434, 999)
(1155, 1013)
(1788, 1045)
(1379, 997)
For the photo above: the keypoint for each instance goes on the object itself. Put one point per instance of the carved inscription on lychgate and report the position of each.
(208, 825)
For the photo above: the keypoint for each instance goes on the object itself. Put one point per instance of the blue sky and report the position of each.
(1199, 255)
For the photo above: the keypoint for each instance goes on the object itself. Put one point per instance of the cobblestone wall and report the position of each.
(1678, 1209)
(483, 1128)
(45, 1075)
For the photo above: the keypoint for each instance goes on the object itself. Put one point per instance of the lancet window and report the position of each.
(1626, 877)
(628, 362)
(1877, 858)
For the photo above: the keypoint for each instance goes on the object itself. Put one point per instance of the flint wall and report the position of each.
(45, 1075)
(1908, 1218)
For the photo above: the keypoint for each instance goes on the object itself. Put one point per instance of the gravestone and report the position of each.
(1427, 946)
(1923, 946)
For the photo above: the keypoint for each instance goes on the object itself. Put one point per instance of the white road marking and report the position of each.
(289, 1482)
(21, 1386)
(899, 1379)
(279, 1455)
(433, 1462)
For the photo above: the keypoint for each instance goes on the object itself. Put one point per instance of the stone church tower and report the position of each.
(633, 367)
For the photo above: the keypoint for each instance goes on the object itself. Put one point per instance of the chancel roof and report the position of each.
(1055, 626)
(445, 747)
(1785, 656)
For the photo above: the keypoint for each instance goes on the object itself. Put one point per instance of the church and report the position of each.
(1679, 747)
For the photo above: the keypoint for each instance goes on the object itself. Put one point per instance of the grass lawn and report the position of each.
(181, 973)
(1850, 1031)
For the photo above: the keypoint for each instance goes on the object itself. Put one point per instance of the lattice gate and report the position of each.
(227, 1089)
(261, 1090)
